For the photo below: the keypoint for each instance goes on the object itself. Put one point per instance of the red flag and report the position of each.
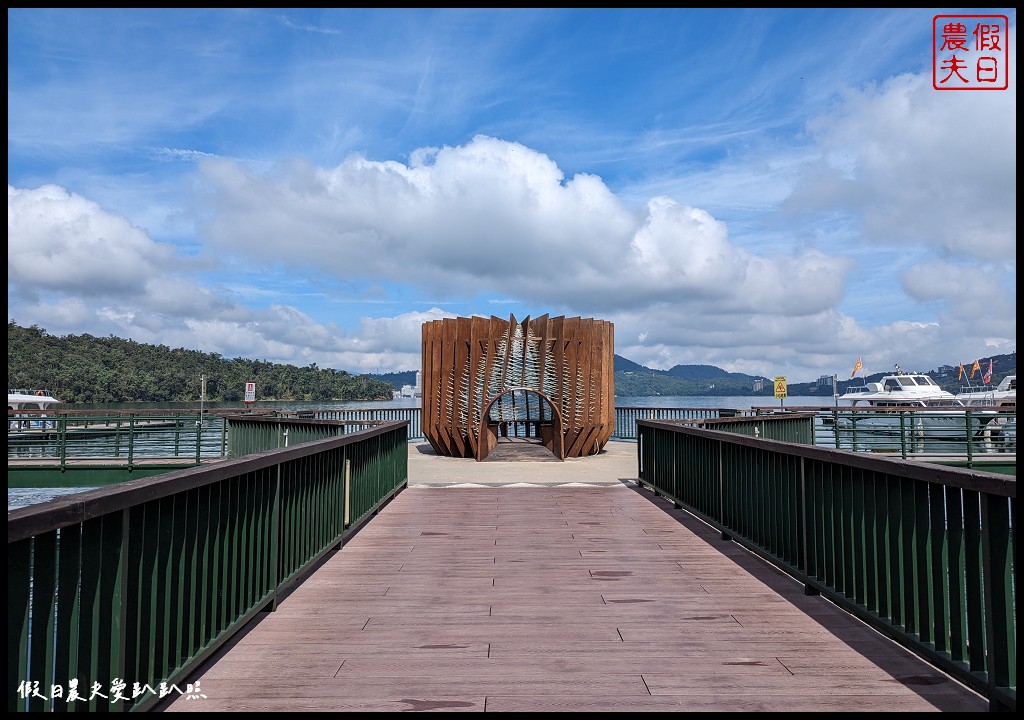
(858, 366)
(987, 378)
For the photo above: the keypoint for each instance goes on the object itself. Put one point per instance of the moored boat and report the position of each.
(1005, 393)
(28, 400)
(899, 389)
(910, 412)
(26, 409)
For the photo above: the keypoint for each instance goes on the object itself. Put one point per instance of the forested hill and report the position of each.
(87, 369)
(635, 380)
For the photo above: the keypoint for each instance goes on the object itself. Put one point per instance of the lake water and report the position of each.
(19, 497)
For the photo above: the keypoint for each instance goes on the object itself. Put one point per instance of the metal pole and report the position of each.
(199, 422)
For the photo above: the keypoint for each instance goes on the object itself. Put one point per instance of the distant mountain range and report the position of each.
(635, 380)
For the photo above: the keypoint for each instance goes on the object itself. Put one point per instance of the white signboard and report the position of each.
(250, 392)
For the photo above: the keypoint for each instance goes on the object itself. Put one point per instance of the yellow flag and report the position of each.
(960, 372)
(974, 368)
(858, 366)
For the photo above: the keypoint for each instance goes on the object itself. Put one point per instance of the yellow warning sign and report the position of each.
(780, 386)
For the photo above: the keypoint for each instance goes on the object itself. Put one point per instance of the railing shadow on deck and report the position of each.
(924, 554)
(123, 591)
(791, 590)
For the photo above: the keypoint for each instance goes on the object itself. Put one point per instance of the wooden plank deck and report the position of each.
(558, 599)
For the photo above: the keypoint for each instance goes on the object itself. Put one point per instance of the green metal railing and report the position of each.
(141, 582)
(923, 553)
(626, 417)
(89, 449)
(56, 450)
(254, 433)
(908, 432)
(789, 427)
(368, 416)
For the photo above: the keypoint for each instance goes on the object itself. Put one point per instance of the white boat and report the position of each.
(20, 401)
(28, 400)
(900, 389)
(910, 412)
(1005, 393)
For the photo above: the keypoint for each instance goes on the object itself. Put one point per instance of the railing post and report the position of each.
(639, 456)
(721, 491)
(348, 492)
(903, 434)
(223, 437)
(805, 553)
(131, 438)
(970, 440)
(199, 440)
(275, 538)
(63, 441)
(121, 582)
(998, 580)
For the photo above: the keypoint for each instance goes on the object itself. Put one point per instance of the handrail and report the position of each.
(960, 437)
(923, 553)
(255, 433)
(128, 435)
(143, 581)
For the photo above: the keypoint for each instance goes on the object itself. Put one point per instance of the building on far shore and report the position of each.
(412, 391)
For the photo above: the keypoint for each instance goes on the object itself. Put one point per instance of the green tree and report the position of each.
(86, 369)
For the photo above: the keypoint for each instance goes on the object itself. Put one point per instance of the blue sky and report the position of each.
(776, 192)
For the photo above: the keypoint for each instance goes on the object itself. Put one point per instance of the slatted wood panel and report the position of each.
(469, 363)
(582, 599)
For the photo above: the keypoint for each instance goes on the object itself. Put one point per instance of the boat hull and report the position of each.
(927, 432)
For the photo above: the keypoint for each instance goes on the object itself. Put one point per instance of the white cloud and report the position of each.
(497, 215)
(58, 241)
(493, 218)
(919, 167)
(74, 268)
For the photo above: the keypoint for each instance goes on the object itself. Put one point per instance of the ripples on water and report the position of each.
(20, 497)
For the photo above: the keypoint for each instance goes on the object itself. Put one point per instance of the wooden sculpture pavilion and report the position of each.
(546, 380)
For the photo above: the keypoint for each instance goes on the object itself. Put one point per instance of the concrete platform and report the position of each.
(523, 464)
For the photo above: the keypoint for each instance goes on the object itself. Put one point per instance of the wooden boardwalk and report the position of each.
(556, 598)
